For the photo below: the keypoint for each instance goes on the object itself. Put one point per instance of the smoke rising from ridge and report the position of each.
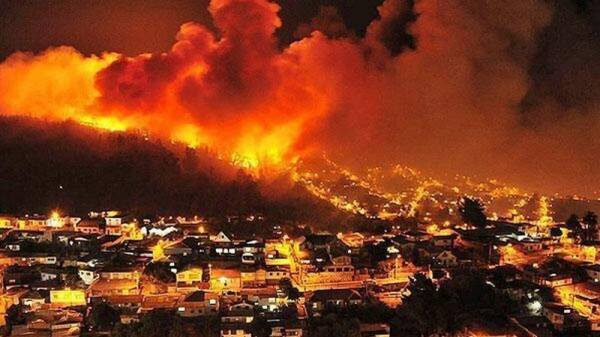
(467, 99)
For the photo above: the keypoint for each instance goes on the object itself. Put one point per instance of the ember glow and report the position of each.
(236, 93)
(464, 100)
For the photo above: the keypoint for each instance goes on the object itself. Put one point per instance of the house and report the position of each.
(198, 303)
(9, 298)
(556, 313)
(443, 240)
(274, 257)
(593, 272)
(550, 277)
(52, 323)
(39, 258)
(316, 241)
(225, 279)
(265, 298)
(27, 234)
(416, 236)
(162, 301)
(445, 259)
(253, 277)
(112, 287)
(178, 248)
(274, 274)
(222, 237)
(189, 278)
(116, 219)
(374, 330)
(391, 267)
(32, 300)
(237, 321)
(286, 327)
(353, 240)
(90, 226)
(49, 273)
(253, 246)
(336, 297)
(88, 275)
(529, 245)
(119, 273)
(583, 297)
(341, 260)
(67, 297)
(16, 245)
(32, 222)
(8, 221)
(131, 302)
(236, 330)
(328, 274)
(17, 276)
(224, 245)
(114, 230)
(239, 313)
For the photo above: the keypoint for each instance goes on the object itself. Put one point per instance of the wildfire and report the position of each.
(234, 92)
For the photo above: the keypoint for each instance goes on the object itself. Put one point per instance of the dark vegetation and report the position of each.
(472, 211)
(429, 309)
(76, 169)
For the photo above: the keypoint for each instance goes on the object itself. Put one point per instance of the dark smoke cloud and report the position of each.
(504, 89)
(455, 104)
(328, 21)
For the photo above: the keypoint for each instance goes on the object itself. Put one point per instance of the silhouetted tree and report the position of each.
(472, 212)
(555, 232)
(14, 316)
(160, 271)
(103, 317)
(575, 226)
(285, 284)
(160, 323)
(446, 308)
(590, 220)
(572, 222)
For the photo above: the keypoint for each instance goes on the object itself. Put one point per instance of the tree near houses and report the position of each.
(572, 222)
(472, 212)
(574, 225)
(103, 317)
(555, 233)
(286, 286)
(590, 220)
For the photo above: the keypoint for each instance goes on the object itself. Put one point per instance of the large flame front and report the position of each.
(236, 94)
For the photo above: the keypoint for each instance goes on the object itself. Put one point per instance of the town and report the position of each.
(108, 272)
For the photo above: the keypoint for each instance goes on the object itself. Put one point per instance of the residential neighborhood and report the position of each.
(60, 272)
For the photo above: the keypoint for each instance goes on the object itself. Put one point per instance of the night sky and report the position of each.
(138, 26)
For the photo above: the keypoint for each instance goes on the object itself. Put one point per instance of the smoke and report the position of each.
(445, 86)
(456, 102)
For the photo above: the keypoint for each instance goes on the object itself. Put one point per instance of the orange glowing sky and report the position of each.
(465, 100)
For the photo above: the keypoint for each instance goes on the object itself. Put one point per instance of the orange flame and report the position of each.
(237, 94)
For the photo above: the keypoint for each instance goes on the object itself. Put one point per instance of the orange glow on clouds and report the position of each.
(236, 94)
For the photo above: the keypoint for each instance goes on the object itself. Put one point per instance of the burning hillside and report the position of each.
(402, 192)
(234, 92)
(462, 98)
(49, 165)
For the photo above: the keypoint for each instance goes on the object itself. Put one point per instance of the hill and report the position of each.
(48, 165)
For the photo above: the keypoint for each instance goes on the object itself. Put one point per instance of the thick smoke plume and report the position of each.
(466, 99)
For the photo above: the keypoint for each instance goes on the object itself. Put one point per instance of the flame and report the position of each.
(235, 92)
(57, 84)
